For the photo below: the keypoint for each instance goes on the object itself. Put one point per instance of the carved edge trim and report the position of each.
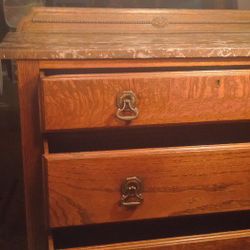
(159, 22)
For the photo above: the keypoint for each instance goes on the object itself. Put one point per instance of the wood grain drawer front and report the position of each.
(217, 241)
(85, 188)
(87, 101)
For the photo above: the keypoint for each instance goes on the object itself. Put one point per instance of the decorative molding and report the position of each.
(84, 21)
(157, 22)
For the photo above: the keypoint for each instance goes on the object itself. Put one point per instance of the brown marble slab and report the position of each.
(123, 46)
(62, 33)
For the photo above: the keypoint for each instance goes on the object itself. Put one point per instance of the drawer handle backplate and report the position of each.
(126, 103)
(131, 192)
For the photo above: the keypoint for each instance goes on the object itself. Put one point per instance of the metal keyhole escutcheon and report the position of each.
(126, 103)
(131, 192)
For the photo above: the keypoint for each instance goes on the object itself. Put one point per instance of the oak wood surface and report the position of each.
(84, 188)
(218, 241)
(36, 223)
(51, 243)
(143, 63)
(89, 101)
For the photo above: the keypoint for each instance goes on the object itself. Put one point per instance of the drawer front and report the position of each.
(98, 187)
(131, 99)
(217, 241)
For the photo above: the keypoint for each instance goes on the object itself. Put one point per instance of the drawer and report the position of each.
(122, 185)
(217, 241)
(133, 99)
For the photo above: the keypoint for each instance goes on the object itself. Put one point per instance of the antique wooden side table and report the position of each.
(135, 127)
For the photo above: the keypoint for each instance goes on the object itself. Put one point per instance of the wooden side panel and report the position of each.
(51, 243)
(89, 101)
(84, 188)
(219, 241)
(28, 75)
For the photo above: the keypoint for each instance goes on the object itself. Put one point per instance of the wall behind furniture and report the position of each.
(244, 4)
(197, 4)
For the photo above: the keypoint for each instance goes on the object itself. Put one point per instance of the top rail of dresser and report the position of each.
(91, 33)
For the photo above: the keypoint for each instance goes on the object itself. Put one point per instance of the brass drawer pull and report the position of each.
(131, 192)
(126, 103)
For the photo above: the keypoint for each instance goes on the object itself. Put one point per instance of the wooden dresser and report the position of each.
(135, 128)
